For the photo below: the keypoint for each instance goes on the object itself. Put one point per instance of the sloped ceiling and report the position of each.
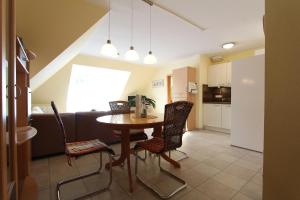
(48, 27)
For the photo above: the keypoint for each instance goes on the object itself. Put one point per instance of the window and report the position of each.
(93, 87)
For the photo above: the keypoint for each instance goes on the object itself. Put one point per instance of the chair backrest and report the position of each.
(119, 107)
(175, 118)
(59, 121)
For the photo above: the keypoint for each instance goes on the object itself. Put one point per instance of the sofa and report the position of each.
(79, 126)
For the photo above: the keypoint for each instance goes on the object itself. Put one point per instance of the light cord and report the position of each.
(109, 20)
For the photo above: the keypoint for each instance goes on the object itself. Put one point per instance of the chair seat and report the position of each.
(86, 147)
(154, 145)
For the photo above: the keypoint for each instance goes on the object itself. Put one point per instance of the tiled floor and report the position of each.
(214, 170)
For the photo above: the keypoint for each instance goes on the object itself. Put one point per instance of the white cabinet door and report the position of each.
(222, 72)
(212, 75)
(228, 74)
(217, 75)
(212, 115)
(226, 116)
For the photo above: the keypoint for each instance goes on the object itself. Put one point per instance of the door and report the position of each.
(169, 88)
(179, 91)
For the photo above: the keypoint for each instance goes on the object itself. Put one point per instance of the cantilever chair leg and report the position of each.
(63, 182)
(141, 158)
(185, 156)
(183, 186)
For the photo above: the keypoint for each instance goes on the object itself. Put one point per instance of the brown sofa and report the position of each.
(79, 126)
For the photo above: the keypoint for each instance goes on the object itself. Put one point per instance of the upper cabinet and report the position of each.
(219, 74)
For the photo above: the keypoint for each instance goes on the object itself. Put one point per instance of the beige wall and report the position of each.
(56, 88)
(160, 94)
(282, 110)
(49, 27)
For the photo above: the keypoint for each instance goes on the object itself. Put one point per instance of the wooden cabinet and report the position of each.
(217, 115)
(181, 78)
(219, 75)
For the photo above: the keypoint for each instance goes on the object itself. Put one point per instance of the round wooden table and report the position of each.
(125, 122)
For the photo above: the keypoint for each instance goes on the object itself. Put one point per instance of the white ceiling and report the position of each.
(239, 21)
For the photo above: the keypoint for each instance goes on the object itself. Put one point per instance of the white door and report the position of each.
(212, 115)
(226, 116)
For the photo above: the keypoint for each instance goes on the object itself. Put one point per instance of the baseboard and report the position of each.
(222, 130)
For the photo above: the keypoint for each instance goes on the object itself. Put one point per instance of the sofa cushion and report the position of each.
(87, 128)
(49, 139)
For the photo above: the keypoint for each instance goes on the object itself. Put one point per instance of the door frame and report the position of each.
(3, 149)
(169, 88)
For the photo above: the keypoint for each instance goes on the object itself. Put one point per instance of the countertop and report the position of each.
(217, 102)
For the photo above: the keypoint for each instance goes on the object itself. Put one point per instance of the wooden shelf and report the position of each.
(30, 189)
(25, 133)
(21, 67)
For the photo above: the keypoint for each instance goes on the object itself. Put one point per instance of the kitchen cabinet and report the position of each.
(181, 78)
(217, 115)
(212, 115)
(219, 75)
(226, 117)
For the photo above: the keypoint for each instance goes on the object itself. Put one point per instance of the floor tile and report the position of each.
(214, 170)
(241, 172)
(216, 190)
(229, 180)
(193, 195)
(241, 197)
(252, 190)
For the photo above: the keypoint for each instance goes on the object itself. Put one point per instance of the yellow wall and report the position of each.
(160, 94)
(282, 110)
(49, 27)
(56, 88)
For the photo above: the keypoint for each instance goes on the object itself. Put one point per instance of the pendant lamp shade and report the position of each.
(109, 49)
(132, 55)
(150, 59)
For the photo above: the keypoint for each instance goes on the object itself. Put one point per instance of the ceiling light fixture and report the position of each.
(109, 49)
(131, 54)
(228, 45)
(150, 59)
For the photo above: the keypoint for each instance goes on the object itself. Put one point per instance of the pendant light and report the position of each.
(150, 59)
(109, 49)
(131, 54)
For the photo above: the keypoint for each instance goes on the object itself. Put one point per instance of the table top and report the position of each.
(131, 121)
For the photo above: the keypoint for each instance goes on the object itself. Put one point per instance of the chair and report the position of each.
(122, 107)
(174, 121)
(80, 148)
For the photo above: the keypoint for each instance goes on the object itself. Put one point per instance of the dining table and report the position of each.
(125, 122)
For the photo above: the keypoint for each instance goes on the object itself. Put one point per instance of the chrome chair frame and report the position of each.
(183, 186)
(63, 182)
(185, 156)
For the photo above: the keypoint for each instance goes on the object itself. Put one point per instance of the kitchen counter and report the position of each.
(217, 102)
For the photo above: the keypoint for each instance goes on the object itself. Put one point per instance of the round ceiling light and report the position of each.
(228, 45)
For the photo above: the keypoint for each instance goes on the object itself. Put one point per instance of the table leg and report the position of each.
(125, 154)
